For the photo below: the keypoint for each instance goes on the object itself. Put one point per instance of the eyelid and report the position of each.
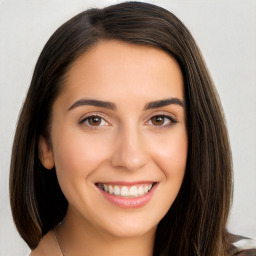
(162, 113)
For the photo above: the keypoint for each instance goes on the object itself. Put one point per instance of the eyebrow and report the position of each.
(96, 103)
(112, 106)
(164, 102)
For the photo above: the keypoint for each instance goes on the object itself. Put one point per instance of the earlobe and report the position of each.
(45, 153)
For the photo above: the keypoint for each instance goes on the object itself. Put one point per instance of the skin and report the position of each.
(127, 144)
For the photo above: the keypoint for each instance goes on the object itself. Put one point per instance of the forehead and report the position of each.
(115, 69)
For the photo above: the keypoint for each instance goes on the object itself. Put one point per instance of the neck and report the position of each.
(78, 238)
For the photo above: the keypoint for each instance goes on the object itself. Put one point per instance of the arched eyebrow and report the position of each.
(112, 106)
(96, 103)
(163, 103)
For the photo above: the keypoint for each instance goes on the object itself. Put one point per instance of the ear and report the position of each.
(45, 153)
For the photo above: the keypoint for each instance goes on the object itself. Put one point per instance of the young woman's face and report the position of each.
(118, 138)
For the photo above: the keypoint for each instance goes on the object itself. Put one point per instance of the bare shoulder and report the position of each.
(47, 246)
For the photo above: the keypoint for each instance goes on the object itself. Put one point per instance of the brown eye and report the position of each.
(94, 121)
(158, 120)
(162, 121)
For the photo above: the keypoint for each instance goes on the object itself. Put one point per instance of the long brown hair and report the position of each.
(195, 223)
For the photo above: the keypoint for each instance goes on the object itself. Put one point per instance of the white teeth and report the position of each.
(133, 191)
(125, 191)
(110, 189)
(140, 190)
(117, 191)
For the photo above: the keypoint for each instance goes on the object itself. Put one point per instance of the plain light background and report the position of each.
(225, 31)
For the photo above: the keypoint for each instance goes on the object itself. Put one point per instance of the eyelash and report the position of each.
(85, 121)
(171, 121)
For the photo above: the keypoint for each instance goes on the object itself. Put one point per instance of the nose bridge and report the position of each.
(129, 151)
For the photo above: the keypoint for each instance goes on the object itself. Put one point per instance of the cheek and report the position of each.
(77, 154)
(76, 157)
(171, 155)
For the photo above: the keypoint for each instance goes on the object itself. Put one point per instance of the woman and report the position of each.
(121, 144)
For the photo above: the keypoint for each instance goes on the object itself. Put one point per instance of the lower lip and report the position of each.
(123, 202)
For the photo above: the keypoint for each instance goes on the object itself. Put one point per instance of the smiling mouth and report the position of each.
(126, 191)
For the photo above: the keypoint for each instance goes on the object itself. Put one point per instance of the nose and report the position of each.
(129, 150)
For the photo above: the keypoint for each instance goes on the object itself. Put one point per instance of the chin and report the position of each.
(131, 226)
(131, 231)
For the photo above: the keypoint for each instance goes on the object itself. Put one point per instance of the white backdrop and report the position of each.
(226, 33)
